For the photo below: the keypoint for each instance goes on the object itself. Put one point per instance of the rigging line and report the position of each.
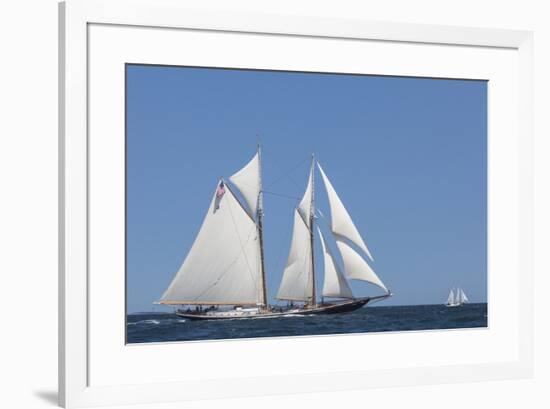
(281, 195)
(376, 300)
(287, 174)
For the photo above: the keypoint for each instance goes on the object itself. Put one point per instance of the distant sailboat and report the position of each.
(456, 298)
(225, 266)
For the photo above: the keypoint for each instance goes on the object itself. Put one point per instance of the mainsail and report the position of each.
(224, 264)
(335, 284)
(341, 224)
(297, 283)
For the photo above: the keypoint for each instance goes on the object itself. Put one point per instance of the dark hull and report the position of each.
(328, 308)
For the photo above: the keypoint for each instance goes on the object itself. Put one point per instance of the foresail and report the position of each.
(341, 223)
(356, 268)
(335, 284)
(297, 283)
(247, 180)
(222, 266)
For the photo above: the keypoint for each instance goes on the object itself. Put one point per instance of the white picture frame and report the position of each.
(81, 384)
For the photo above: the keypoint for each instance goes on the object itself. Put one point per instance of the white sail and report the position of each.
(341, 223)
(451, 298)
(247, 180)
(222, 266)
(305, 205)
(335, 284)
(356, 268)
(297, 283)
(461, 298)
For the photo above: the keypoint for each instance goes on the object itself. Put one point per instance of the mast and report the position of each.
(311, 231)
(260, 228)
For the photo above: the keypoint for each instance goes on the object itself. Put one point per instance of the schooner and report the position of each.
(456, 298)
(224, 274)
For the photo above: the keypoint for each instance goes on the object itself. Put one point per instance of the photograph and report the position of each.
(264, 203)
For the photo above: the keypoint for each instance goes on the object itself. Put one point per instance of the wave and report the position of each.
(157, 322)
(151, 321)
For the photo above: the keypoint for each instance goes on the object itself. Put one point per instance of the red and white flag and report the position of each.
(221, 190)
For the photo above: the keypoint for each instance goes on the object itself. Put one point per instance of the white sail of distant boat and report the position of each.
(456, 298)
(225, 265)
(451, 297)
(462, 298)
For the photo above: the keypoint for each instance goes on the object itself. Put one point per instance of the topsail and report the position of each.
(304, 207)
(247, 180)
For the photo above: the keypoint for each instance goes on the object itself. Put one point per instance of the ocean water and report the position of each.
(163, 327)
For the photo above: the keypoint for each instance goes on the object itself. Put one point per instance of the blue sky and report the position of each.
(408, 157)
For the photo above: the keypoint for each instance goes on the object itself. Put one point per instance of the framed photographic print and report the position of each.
(264, 199)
